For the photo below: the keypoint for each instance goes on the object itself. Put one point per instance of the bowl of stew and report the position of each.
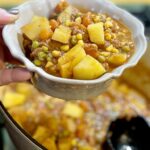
(75, 47)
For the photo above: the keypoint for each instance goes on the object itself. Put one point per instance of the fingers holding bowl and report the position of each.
(14, 75)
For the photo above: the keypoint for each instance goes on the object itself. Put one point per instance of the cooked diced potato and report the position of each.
(33, 29)
(23, 88)
(12, 99)
(85, 148)
(64, 144)
(50, 144)
(41, 134)
(73, 110)
(70, 59)
(65, 15)
(76, 54)
(65, 70)
(62, 34)
(88, 69)
(117, 59)
(96, 33)
(71, 125)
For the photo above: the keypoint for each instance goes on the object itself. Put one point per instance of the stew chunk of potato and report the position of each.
(88, 68)
(62, 34)
(67, 62)
(96, 33)
(33, 29)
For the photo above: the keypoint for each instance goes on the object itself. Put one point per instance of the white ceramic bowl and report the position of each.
(69, 88)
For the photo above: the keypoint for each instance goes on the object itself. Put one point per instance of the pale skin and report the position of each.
(9, 75)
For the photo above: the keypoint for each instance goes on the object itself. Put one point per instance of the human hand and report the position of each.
(9, 75)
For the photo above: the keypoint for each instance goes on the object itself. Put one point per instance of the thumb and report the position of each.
(14, 75)
(6, 18)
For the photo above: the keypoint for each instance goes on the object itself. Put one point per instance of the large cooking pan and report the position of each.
(19, 137)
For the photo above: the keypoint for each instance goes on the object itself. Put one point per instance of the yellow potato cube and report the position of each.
(64, 144)
(23, 88)
(65, 70)
(12, 99)
(71, 125)
(73, 110)
(50, 144)
(40, 134)
(65, 15)
(88, 69)
(76, 54)
(85, 148)
(96, 33)
(117, 59)
(71, 59)
(62, 34)
(33, 29)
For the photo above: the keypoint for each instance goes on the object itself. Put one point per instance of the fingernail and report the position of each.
(14, 11)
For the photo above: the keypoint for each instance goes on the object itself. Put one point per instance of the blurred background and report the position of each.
(139, 8)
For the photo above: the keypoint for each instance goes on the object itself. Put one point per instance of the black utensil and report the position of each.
(128, 134)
